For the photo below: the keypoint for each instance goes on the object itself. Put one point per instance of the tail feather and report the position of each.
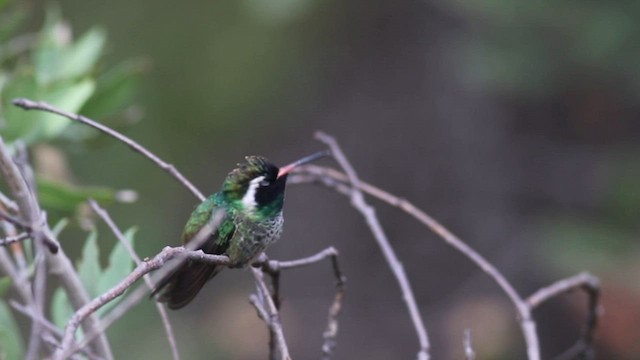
(178, 288)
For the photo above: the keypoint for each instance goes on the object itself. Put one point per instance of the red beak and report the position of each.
(307, 159)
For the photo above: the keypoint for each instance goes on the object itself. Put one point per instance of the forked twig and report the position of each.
(267, 310)
(57, 261)
(358, 202)
(157, 262)
(273, 267)
(589, 284)
(104, 215)
(340, 182)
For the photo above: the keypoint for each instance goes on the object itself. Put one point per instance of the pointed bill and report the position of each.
(307, 159)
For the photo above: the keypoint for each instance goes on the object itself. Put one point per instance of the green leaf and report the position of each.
(114, 90)
(120, 265)
(33, 126)
(47, 57)
(89, 265)
(5, 283)
(60, 225)
(11, 345)
(56, 58)
(18, 123)
(66, 197)
(67, 97)
(83, 55)
(61, 310)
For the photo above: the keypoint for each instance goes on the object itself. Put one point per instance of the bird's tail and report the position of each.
(180, 286)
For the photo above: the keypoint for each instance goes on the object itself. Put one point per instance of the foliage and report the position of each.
(53, 66)
(95, 278)
(50, 65)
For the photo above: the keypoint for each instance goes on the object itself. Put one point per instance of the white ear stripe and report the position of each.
(249, 198)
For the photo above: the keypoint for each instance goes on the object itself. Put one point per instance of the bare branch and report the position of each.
(358, 202)
(469, 354)
(26, 310)
(273, 268)
(13, 239)
(57, 261)
(589, 284)
(43, 106)
(338, 180)
(157, 262)
(104, 215)
(269, 313)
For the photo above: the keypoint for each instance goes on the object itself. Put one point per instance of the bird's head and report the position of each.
(256, 187)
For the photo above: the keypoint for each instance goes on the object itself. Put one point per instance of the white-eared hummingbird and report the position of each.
(252, 196)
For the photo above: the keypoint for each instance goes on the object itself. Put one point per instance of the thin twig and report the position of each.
(24, 309)
(43, 106)
(8, 204)
(104, 215)
(157, 262)
(269, 313)
(338, 180)
(14, 239)
(273, 268)
(583, 348)
(469, 354)
(57, 261)
(358, 202)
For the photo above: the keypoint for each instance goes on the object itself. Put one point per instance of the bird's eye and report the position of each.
(264, 183)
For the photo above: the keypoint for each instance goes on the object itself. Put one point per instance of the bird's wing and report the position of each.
(180, 286)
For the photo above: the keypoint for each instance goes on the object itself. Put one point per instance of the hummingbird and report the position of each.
(252, 196)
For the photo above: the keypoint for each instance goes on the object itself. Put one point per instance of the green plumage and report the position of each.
(243, 234)
(252, 197)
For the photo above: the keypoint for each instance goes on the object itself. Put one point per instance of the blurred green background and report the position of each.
(512, 122)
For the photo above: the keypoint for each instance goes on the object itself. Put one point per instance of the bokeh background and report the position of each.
(512, 122)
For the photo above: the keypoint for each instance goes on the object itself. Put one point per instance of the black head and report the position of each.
(257, 187)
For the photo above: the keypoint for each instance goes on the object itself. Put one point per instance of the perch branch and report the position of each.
(358, 202)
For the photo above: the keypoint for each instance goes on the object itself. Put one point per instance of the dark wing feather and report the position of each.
(180, 286)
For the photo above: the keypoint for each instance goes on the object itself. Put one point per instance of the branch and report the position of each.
(57, 261)
(339, 181)
(43, 106)
(267, 310)
(47, 324)
(104, 215)
(358, 202)
(469, 354)
(14, 239)
(273, 268)
(157, 262)
(589, 284)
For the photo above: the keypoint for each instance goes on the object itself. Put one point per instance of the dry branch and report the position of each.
(341, 183)
(39, 105)
(266, 303)
(358, 202)
(104, 215)
(56, 260)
